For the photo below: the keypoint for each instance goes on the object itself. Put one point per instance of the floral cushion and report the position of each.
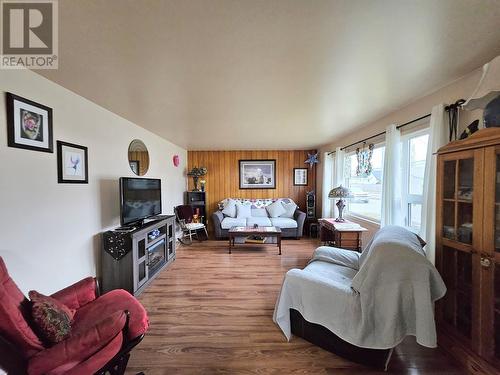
(51, 318)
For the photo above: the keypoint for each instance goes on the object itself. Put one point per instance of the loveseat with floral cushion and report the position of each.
(281, 212)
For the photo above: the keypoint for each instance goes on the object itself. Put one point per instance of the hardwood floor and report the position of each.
(211, 312)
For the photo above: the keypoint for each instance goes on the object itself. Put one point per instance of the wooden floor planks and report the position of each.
(211, 312)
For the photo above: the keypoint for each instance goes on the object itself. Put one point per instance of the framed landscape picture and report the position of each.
(300, 176)
(29, 124)
(72, 163)
(257, 174)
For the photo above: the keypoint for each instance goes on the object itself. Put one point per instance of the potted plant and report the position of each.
(196, 173)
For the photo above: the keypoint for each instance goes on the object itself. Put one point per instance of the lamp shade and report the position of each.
(488, 87)
(340, 192)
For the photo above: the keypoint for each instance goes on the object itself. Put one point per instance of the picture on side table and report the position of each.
(300, 176)
(72, 163)
(257, 174)
(29, 124)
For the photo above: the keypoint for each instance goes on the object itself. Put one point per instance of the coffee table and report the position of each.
(258, 231)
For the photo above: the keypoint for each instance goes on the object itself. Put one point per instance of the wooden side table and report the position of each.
(346, 235)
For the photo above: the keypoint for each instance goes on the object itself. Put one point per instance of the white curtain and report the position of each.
(328, 165)
(338, 175)
(437, 138)
(391, 182)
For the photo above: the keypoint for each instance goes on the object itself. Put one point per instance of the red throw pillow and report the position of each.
(51, 318)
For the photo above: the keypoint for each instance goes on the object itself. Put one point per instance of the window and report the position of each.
(366, 190)
(414, 153)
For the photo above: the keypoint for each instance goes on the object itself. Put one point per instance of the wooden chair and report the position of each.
(184, 215)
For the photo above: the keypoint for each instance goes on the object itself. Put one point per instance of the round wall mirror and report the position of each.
(138, 157)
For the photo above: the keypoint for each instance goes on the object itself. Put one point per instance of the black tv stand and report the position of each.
(134, 255)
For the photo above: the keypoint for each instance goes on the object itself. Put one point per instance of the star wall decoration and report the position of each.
(312, 159)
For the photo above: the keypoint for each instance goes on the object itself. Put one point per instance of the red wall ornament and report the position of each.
(176, 160)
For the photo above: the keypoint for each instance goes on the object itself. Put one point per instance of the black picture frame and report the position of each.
(295, 183)
(13, 137)
(60, 171)
(247, 162)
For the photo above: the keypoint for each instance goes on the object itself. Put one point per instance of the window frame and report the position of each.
(408, 199)
(355, 215)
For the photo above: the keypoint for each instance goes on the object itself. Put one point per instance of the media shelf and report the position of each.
(131, 259)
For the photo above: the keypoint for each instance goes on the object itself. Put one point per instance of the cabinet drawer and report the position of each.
(348, 235)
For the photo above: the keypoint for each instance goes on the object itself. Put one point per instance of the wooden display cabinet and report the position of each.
(468, 250)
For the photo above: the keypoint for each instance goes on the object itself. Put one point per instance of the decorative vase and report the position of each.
(491, 115)
(195, 183)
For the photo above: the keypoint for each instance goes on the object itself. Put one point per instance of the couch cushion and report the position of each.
(229, 222)
(259, 212)
(260, 221)
(107, 304)
(243, 211)
(276, 209)
(51, 317)
(289, 209)
(230, 208)
(283, 222)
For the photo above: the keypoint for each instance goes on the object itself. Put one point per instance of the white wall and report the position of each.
(50, 232)
(458, 89)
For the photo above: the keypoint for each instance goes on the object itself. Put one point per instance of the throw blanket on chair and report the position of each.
(371, 300)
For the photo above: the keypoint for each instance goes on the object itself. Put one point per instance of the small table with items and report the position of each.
(256, 235)
(346, 234)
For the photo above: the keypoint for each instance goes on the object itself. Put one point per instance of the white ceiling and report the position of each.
(266, 74)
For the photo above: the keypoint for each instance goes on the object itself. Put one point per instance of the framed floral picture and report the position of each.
(29, 124)
(300, 176)
(257, 174)
(72, 163)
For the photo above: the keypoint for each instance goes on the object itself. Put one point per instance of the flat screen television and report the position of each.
(140, 198)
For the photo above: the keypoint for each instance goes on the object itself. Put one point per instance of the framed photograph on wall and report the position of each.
(72, 163)
(300, 176)
(29, 124)
(257, 174)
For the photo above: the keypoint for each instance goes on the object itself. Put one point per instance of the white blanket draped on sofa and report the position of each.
(372, 300)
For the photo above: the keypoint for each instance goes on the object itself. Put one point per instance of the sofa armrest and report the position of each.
(217, 218)
(299, 217)
(80, 346)
(78, 294)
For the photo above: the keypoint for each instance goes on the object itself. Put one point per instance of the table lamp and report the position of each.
(341, 193)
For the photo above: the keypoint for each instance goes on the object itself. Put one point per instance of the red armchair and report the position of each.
(104, 331)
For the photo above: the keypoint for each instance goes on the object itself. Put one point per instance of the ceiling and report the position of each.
(266, 74)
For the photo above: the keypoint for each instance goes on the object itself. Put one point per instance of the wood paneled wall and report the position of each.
(222, 179)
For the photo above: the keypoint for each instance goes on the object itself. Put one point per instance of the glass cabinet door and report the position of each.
(458, 256)
(458, 193)
(141, 262)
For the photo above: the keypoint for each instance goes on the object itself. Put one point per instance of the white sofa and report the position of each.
(291, 225)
